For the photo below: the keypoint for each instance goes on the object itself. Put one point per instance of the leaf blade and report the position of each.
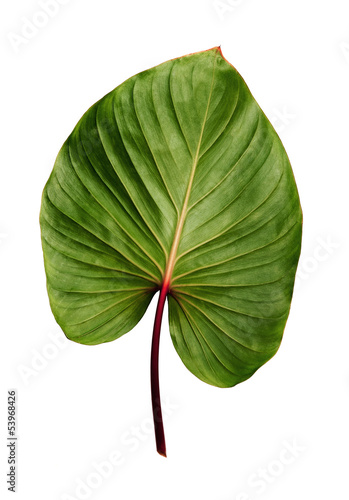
(176, 179)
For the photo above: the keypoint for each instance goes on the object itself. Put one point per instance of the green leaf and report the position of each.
(176, 181)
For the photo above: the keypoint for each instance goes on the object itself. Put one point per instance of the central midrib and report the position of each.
(177, 235)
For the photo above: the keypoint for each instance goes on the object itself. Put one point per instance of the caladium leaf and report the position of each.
(175, 182)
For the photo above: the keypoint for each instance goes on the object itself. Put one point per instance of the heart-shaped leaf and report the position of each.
(175, 181)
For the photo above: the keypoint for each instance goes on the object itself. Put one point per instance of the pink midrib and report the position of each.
(166, 283)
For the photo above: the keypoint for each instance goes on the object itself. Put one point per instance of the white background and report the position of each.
(84, 404)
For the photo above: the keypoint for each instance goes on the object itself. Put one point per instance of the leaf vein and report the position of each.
(239, 255)
(98, 237)
(137, 244)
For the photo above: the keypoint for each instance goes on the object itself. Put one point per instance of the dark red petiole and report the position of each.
(154, 373)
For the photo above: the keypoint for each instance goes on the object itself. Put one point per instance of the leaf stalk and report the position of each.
(154, 373)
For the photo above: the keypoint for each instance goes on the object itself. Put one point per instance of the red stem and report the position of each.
(154, 374)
